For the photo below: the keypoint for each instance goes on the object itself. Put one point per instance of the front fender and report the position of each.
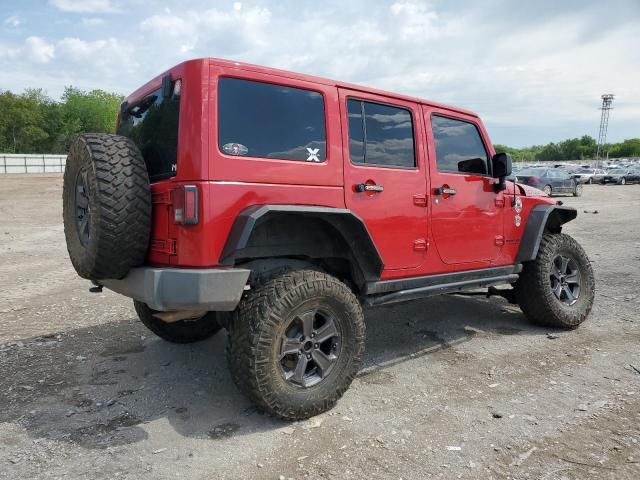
(541, 218)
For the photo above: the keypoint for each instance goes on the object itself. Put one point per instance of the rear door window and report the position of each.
(272, 121)
(380, 135)
(459, 147)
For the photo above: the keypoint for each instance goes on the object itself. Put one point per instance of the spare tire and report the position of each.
(106, 206)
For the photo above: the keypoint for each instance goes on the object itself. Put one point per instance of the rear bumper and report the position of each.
(167, 289)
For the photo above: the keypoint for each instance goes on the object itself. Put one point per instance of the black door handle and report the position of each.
(445, 191)
(366, 187)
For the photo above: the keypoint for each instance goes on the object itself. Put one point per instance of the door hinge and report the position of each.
(164, 246)
(500, 202)
(499, 240)
(420, 200)
(420, 244)
(161, 198)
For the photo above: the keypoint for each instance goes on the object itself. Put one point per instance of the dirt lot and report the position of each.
(452, 388)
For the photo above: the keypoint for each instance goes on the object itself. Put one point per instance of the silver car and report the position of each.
(589, 175)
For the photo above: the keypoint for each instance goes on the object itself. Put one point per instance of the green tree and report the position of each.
(22, 121)
(94, 111)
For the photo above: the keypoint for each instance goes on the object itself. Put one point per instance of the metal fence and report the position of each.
(36, 163)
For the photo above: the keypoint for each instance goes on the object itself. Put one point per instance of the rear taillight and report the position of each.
(185, 205)
(533, 179)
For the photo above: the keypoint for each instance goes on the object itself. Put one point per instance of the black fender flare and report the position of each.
(346, 223)
(541, 218)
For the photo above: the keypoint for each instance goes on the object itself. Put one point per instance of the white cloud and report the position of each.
(84, 6)
(39, 50)
(93, 21)
(238, 28)
(14, 21)
(533, 72)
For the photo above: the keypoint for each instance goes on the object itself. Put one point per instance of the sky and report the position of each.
(533, 70)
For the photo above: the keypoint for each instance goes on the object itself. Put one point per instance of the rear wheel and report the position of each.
(183, 331)
(547, 189)
(577, 191)
(296, 342)
(558, 287)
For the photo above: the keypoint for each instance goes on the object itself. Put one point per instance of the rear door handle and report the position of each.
(365, 187)
(445, 191)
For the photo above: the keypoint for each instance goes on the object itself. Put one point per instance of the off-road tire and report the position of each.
(533, 289)
(183, 331)
(116, 186)
(255, 332)
(548, 190)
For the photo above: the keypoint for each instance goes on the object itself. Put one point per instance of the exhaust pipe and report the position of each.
(171, 317)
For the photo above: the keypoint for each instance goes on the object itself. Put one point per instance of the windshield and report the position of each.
(152, 123)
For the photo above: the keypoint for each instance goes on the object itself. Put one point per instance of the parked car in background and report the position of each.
(621, 176)
(589, 175)
(550, 180)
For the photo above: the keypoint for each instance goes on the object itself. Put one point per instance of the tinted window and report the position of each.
(459, 147)
(385, 137)
(152, 123)
(270, 121)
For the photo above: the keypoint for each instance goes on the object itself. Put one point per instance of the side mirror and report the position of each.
(501, 167)
(473, 165)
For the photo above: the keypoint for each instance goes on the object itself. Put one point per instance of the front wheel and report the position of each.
(590, 181)
(295, 343)
(558, 287)
(623, 181)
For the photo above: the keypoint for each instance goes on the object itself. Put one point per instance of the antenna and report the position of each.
(607, 100)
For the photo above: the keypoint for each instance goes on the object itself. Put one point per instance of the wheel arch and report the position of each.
(541, 219)
(309, 232)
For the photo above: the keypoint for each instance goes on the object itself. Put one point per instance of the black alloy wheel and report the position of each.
(565, 279)
(309, 348)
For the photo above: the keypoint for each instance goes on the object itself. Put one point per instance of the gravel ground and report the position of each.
(453, 387)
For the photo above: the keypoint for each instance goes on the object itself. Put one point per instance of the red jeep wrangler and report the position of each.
(276, 205)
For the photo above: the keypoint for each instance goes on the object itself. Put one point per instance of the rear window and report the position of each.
(265, 120)
(152, 123)
(530, 171)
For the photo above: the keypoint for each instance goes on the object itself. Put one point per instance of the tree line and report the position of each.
(583, 148)
(31, 122)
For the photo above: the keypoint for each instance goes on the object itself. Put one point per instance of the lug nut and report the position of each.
(317, 345)
(308, 357)
(313, 334)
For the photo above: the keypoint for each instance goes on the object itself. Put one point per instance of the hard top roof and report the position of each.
(232, 65)
(328, 81)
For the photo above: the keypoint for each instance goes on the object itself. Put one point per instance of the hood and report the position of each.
(528, 191)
